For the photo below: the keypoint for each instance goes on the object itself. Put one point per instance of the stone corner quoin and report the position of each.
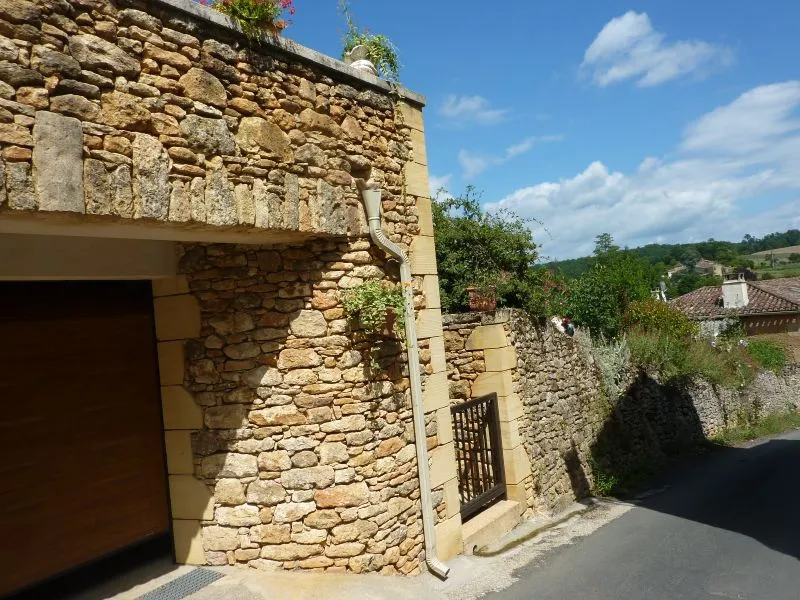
(283, 450)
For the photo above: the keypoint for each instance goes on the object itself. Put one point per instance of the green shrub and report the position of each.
(651, 316)
(676, 358)
(370, 304)
(769, 355)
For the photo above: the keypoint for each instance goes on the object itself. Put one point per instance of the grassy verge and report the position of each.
(768, 425)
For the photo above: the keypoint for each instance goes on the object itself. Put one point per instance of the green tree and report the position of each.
(476, 247)
(600, 298)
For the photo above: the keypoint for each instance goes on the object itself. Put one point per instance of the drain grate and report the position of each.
(184, 586)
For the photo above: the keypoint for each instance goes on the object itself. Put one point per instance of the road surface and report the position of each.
(728, 526)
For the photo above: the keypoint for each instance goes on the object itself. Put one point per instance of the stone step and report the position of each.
(491, 525)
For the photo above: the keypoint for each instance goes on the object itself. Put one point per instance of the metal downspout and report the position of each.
(372, 203)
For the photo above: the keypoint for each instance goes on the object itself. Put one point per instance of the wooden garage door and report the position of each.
(81, 444)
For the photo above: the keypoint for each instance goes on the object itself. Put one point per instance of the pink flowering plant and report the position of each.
(257, 17)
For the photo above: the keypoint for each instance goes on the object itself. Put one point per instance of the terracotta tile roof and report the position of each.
(777, 295)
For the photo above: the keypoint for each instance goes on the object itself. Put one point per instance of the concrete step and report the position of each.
(491, 525)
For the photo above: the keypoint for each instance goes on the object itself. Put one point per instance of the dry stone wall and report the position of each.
(572, 432)
(309, 454)
(133, 110)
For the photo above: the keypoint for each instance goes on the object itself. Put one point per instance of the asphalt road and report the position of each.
(728, 526)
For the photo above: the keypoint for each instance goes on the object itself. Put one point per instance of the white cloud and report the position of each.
(439, 183)
(473, 164)
(467, 110)
(729, 161)
(629, 48)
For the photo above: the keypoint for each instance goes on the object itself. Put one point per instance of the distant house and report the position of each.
(766, 309)
(709, 267)
(675, 270)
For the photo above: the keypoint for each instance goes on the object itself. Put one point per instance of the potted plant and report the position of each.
(376, 309)
(257, 17)
(361, 44)
(482, 297)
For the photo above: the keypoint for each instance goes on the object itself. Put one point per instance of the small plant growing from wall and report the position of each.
(257, 17)
(379, 49)
(377, 309)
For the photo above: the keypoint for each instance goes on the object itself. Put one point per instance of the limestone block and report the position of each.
(58, 162)
(245, 205)
(107, 192)
(449, 542)
(231, 416)
(293, 511)
(517, 493)
(452, 498)
(265, 493)
(220, 538)
(237, 516)
(411, 116)
(229, 465)
(229, 491)
(429, 323)
(309, 323)
(500, 359)
(509, 434)
(487, 336)
(435, 392)
(305, 479)
(438, 357)
(443, 464)
(170, 286)
(509, 407)
(151, 189)
(190, 498)
(423, 256)
(189, 542)
(430, 287)
(288, 552)
(125, 111)
(178, 445)
(416, 180)
(177, 317)
(418, 144)
(271, 534)
(19, 186)
(500, 383)
(517, 465)
(444, 425)
(179, 409)
(170, 363)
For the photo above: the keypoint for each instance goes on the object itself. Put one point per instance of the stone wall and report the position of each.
(570, 430)
(309, 455)
(134, 110)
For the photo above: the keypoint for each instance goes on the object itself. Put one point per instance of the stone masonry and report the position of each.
(557, 409)
(159, 120)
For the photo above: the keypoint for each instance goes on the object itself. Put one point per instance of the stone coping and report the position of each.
(287, 46)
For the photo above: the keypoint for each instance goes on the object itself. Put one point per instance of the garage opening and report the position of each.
(82, 469)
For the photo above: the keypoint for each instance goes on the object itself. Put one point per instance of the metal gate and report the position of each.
(479, 454)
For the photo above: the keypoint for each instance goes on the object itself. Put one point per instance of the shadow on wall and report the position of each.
(650, 426)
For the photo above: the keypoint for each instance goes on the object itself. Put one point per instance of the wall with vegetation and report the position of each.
(590, 420)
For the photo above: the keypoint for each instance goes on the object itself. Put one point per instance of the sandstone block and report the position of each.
(287, 552)
(265, 493)
(229, 465)
(151, 189)
(333, 452)
(305, 479)
(357, 530)
(323, 519)
(350, 423)
(229, 491)
(233, 416)
(298, 359)
(256, 134)
(271, 534)
(17, 76)
(293, 511)
(212, 136)
(20, 11)
(238, 516)
(278, 415)
(342, 495)
(220, 201)
(344, 550)
(220, 538)
(93, 52)
(202, 86)
(274, 461)
(309, 323)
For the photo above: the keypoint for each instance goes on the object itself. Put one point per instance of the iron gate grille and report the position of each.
(479, 454)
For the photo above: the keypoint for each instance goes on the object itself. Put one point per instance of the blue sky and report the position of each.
(656, 121)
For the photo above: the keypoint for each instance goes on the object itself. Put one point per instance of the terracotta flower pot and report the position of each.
(481, 301)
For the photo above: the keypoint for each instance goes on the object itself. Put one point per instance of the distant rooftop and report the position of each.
(771, 296)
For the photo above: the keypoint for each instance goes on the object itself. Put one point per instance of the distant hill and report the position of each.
(727, 253)
(777, 252)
